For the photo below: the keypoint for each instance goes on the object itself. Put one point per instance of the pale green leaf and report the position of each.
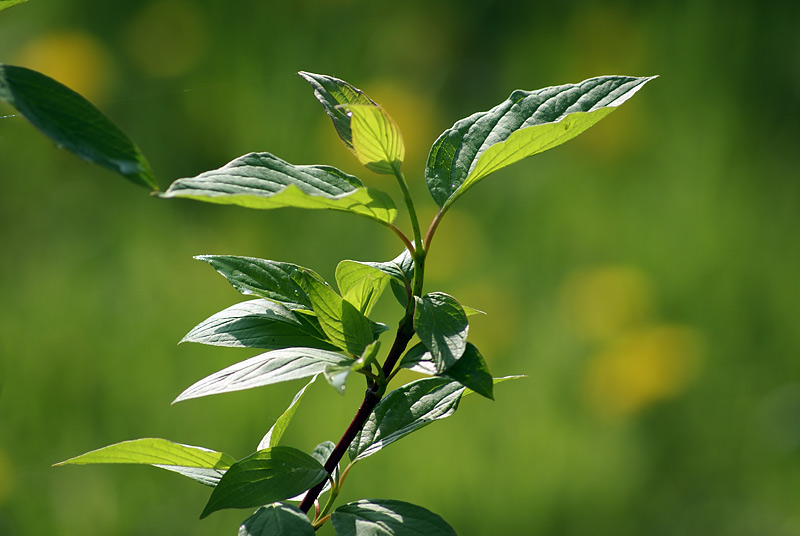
(198, 463)
(527, 123)
(377, 142)
(269, 475)
(277, 519)
(276, 431)
(73, 123)
(266, 369)
(333, 93)
(360, 284)
(5, 4)
(264, 181)
(400, 269)
(258, 324)
(442, 326)
(386, 517)
(337, 375)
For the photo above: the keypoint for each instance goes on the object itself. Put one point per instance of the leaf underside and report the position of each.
(264, 181)
(527, 123)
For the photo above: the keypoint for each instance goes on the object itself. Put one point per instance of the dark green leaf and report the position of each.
(267, 476)
(198, 463)
(266, 369)
(377, 142)
(333, 93)
(442, 326)
(386, 517)
(343, 324)
(4, 4)
(527, 123)
(257, 324)
(268, 279)
(275, 433)
(406, 410)
(277, 519)
(264, 181)
(470, 371)
(73, 123)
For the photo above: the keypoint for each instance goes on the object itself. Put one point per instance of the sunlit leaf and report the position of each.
(266, 476)
(442, 326)
(406, 410)
(268, 279)
(266, 369)
(198, 463)
(360, 284)
(344, 325)
(73, 123)
(337, 375)
(527, 123)
(277, 519)
(386, 517)
(4, 4)
(470, 370)
(400, 269)
(333, 93)
(275, 433)
(264, 181)
(257, 324)
(377, 142)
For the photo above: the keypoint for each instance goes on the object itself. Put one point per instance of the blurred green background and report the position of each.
(644, 276)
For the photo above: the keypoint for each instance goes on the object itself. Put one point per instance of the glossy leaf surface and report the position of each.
(277, 519)
(266, 369)
(406, 410)
(264, 181)
(268, 279)
(470, 371)
(266, 476)
(527, 123)
(332, 93)
(377, 142)
(257, 324)
(442, 326)
(73, 123)
(386, 517)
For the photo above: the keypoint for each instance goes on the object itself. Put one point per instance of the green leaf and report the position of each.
(344, 325)
(360, 284)
(264, 181)
(527, 123)
(442, 326)
(5, 4)
(277, 519)
(386, 517)
(268, 279)
(400, 269)
(257, 324)
(470, 371)
(337, 375)
(377, 142)
(406, 410)
(266, 476)
(321, 453)
(266, 369)
(73, 123)
(275, 433)
(496, 381)
(333, 93)
(198, 463)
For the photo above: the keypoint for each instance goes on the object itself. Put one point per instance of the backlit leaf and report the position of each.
(275, 433)
(4, 4)
(377, 142)
(264, 181)
(360, 284)
(266, 369)
(266, 476)
(73, 123)
(386, 517)
(527, 123)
